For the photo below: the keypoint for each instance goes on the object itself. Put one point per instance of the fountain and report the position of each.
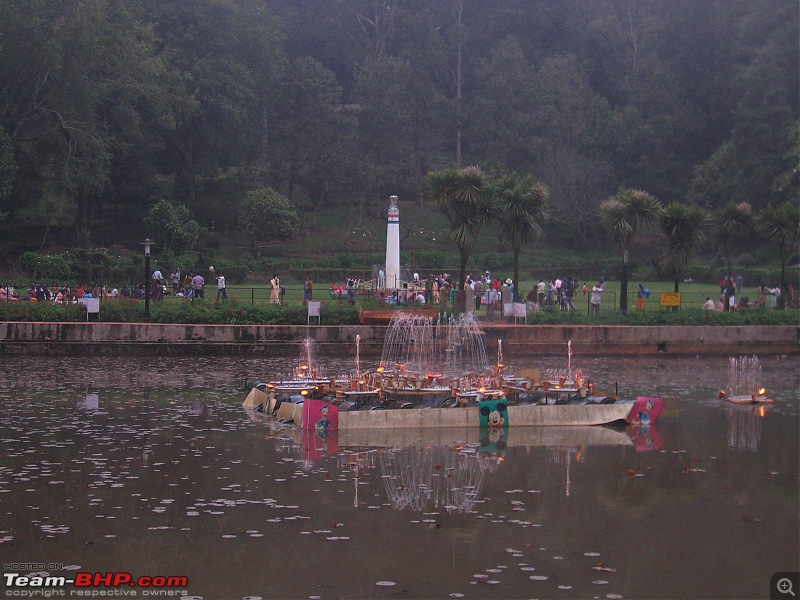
(449, 346)
(306, 378)
(744, 376)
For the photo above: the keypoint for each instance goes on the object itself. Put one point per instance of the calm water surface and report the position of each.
(151, 466)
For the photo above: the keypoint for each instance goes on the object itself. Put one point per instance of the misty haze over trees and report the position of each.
(108, 107)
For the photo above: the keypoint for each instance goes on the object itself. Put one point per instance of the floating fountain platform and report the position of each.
(744, 381)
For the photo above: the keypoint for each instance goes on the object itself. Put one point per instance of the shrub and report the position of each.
(60, 267)
(176, 310)
(122, 310)
(40, 311)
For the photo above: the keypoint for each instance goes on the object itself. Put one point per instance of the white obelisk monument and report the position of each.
(393, 246)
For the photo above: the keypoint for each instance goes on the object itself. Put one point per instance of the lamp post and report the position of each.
(147, 279)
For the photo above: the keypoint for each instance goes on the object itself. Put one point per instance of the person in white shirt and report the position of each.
(175, 278)
(275, 290)
(221, 292)
(597, 295)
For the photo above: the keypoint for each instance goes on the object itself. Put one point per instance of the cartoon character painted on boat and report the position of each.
(323, 423)
(496, 417)
(643, 416)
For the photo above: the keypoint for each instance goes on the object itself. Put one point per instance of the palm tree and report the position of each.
(730, 223)
(521, 203)
(683, 226)
(461, 196)
(625, 214)
(781, 225)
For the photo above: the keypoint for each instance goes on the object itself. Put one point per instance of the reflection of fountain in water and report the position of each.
(565, 455)
(450, 345)
(440, 476)
(744, 427)
(744, 376)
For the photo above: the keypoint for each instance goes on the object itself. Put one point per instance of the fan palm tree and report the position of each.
(781, 225)
(683, 226)
(461, 196)
(521, 203)
(625, 214)
(730, 223)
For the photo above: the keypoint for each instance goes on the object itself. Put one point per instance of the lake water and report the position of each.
(150, 466)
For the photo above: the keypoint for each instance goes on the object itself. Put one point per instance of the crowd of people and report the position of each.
(732, 298)
(66, 294)
(190, 286)
(483, 291)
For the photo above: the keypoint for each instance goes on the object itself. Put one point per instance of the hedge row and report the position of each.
(124, 310)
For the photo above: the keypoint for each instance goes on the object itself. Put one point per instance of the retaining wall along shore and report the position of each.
(21, 338)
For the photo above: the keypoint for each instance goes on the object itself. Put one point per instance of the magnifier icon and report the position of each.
(784, 586)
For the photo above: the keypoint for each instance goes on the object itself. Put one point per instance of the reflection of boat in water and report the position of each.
(485, 439)
(744, 380)
(641, 438)
(446, 468)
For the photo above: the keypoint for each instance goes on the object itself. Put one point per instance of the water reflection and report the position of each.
(744, 426)
(90, 401)
(101, 458)
(427, 469)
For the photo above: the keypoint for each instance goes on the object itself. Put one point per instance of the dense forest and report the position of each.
(109, 107)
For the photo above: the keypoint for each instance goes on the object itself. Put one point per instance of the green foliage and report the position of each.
(40, 311)
(496, 261)
(122, 310)
(430, 259)
(61, 267)
(461, 195)
(692, 316)
(233, 313)
(200, 102)
(8, 169)
(171, 226)
(266, 214)
(683, 227)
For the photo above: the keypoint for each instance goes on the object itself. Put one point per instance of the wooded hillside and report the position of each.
(108, 107)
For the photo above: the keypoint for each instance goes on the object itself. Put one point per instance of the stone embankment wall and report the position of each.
(274, 340)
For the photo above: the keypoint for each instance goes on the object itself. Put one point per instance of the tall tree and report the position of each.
(8, 171)
(522, 204)
(171, 227)
(780, 224)
(461, 196)
(230, 57)
(504, 130)
(267, 214)
(625, 215)
(730, 223)
(683, 226)
(80, 82)
(304, 127)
